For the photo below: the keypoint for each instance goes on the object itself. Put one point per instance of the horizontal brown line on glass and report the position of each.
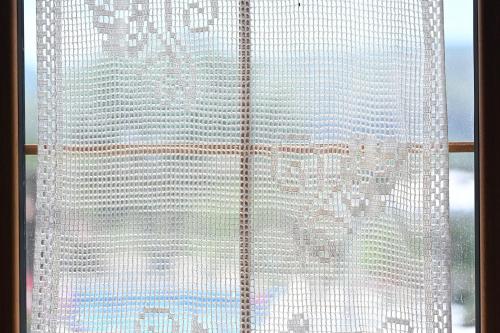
(226, 149)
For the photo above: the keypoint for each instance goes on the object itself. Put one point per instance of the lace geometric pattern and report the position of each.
(241, 166)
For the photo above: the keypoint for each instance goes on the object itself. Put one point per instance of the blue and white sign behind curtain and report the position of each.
(241, 166)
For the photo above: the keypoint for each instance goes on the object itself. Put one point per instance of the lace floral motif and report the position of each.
(197, 327)
(199, 15)
(150, 317)
(128, 25)
(298, 324)
(125, 24)
(369, 172)
(171, 75)
(396, 325)
(328, 198)
(163, 320)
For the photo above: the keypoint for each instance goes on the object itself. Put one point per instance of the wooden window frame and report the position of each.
(487, 163)
(12, 302)
(487, 158)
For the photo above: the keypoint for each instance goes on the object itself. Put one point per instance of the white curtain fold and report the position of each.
(241, 166)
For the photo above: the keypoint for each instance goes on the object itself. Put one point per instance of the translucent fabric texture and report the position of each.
(241, 166)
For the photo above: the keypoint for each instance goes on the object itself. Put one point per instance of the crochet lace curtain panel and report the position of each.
(241, 166)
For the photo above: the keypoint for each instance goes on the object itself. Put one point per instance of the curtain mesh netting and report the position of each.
(241, 166)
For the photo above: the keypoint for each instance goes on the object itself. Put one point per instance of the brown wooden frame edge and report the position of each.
(488, 137)
(32, 149)
(10, 296)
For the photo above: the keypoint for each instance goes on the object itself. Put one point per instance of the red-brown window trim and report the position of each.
(10, 277)
(32, 149)
(487, 73)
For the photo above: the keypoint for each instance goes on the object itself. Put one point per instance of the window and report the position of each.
(459, 67)
(458, 23)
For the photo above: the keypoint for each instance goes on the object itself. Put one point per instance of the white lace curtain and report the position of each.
(241, 166)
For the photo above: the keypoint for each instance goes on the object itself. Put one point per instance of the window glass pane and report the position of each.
(458, 31)
(31, 119)
(460, 94)
(31, 162)
(462, 235)
(458, 25)
(31, 130)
